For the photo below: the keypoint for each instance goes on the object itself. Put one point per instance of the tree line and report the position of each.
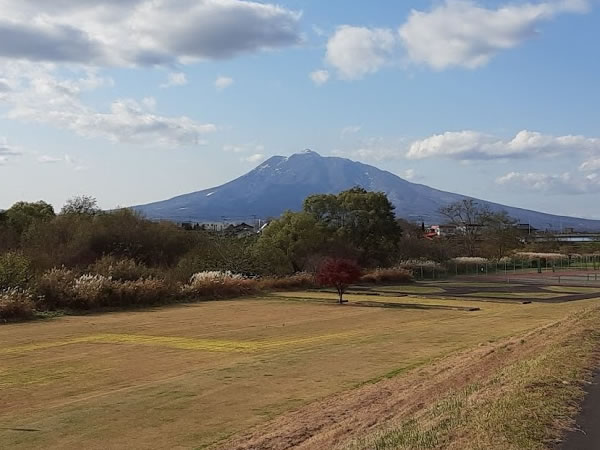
(355, 224)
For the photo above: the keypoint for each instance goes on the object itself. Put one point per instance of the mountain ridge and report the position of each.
(282, 183)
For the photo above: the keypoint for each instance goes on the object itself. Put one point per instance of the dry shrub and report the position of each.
(90, 291)
(60, 288)
(55, 288)
(301, 280)
(389, 275)
(215, 276)
(123, 269)
(219, 285)
(470, 260)
(148, 291)
(15, 304)
(424, 268)
(536, 255)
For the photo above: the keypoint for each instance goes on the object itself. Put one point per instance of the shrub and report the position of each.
(300, 280)
(389, 275)
(139, 292)
(215, 276)
(424, 268)
(219, 285)
(15, 304)
(123, 269)
(90, 291)
(536, 255)
(470, 260)
(15, 270)
(55, 288)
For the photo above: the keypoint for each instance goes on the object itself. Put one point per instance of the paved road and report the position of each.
(587, 435)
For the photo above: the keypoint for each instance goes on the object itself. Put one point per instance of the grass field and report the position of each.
(517, 295)
(574, 289)
(192, 376)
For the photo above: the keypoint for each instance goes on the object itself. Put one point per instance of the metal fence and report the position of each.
(589, 264)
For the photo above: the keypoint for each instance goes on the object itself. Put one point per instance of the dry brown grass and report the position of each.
(527, 402)
(192, 375)
(482, 398)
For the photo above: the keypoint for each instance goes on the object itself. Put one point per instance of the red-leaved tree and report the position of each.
(339, 273)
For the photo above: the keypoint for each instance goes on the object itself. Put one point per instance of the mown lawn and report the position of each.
(193, 375)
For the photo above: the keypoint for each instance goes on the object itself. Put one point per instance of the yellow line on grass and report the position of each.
(180, 343)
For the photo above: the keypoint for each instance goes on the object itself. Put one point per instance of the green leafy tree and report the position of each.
(364, 220)
(15, 270)
(22, 215)
(294, 237)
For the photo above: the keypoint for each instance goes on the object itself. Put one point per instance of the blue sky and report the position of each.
(133, 101)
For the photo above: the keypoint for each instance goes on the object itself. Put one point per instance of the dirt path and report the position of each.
(340, 418)
(586, 435)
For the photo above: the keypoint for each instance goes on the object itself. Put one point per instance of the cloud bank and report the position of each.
(474, 145)
(141, 32)
(455, 33)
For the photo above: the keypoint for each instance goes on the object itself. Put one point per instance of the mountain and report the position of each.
(282, 183)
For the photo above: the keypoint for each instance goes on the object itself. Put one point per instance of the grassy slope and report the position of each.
(527, 404)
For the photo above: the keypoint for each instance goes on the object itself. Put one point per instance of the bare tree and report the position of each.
(468, 217)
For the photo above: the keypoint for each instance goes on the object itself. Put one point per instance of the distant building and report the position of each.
(443, 230)
(240, 230)
(526, 228)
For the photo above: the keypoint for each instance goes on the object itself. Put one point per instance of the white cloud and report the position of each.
(318, 30)
(141, 32)
(590, 165)
(373, 149)
(222, 83)
(68, 160)
(358, 51)
(319, 77)
(41, 97)
(454, 33)
(349, 130)
(473, 145)
(564, 183)
(6, 149)
(257, 148)
(175, 79)
(462, 33)
(150, 103)
(409, 174)
(256, 158)
(234, 148)
(47, 159)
